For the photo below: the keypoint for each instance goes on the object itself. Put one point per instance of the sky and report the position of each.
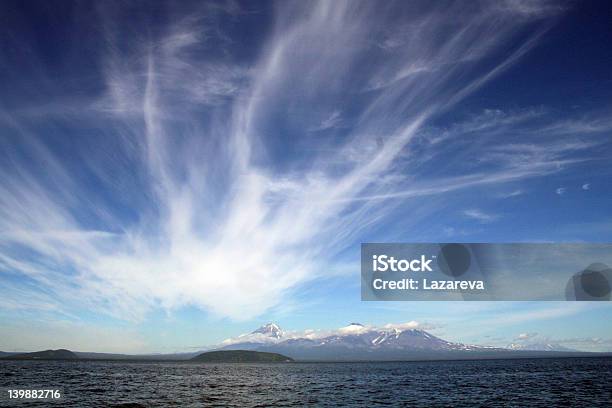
(173, 173)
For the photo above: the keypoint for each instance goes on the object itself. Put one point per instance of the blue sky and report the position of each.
(173, 174)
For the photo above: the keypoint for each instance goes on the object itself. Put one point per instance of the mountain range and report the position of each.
(539, 347)
(359, 342)
(355, 342)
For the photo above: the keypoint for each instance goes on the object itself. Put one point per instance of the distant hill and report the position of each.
(240, 356)
(61, 354)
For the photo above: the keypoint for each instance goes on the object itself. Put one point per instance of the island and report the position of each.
(241, 356)
(60, 354)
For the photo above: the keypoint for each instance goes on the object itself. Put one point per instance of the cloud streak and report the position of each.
(203, 186)
(480, 216)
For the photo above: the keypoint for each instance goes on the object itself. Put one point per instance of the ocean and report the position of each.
(488, 383)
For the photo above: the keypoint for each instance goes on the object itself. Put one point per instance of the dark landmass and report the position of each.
(279, 354)
(61, 354)
(241, 356)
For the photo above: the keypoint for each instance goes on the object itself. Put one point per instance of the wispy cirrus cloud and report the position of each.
(202, 186)
(480, 215)
(330, 122)
(513, 193)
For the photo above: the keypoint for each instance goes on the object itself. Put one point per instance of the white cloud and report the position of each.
(525, 336)
(480, 216)
(586, 186)
(333, 120)
(561, 190)
(404, 326)
(202, 212)
(513, 193)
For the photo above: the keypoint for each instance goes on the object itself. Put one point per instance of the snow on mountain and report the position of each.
(538, 347)
(268, 333)
(270, 330)
(354, 336)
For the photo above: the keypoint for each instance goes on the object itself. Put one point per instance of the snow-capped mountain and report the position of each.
(355, 336)
(351, 341)
(538, 347)
(266, 334)
(270, 330)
